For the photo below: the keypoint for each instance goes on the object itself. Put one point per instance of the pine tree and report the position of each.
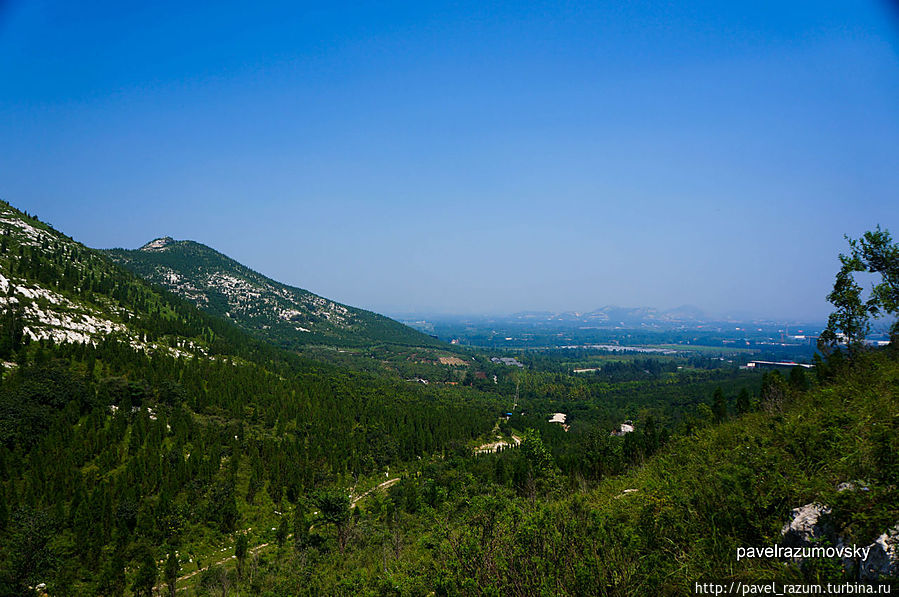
(743, 404)
(112, 579)
(334, 508)
(798, 380)
(253, 486)
(240, 554)
(171, 572)
(719, 405)
(146, 576)
(281, 533)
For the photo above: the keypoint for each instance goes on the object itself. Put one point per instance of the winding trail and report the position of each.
(378, 487)
(161, 586)
(495, 446)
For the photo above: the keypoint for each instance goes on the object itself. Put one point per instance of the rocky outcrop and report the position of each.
(853, 486)
(159, 244)
(808, 527)
(883, 557)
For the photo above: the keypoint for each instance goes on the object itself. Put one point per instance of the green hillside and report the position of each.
(148, 446)
(514, 524)
(57, 289)
(288, 316)
(133, 425)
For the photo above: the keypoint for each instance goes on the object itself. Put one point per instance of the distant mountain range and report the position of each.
(613, 315)
(609, 316)
(276, 312)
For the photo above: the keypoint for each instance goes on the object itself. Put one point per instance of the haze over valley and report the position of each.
(448, 299)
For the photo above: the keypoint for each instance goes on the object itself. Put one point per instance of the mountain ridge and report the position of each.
(290, 316)
(57, 289)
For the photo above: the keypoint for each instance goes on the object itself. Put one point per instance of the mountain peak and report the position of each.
(289, 315)
(159, 244)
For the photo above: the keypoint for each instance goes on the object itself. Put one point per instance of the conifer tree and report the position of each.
(112, 578)
(240, 554)
(281, 533)
(334, 508)
(719, 405)
(171, 572)
(743, 404)
(145, 579)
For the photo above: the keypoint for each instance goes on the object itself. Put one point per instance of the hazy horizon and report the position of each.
(711, 317)
(468, 159)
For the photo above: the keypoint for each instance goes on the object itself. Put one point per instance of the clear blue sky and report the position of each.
(467, 158)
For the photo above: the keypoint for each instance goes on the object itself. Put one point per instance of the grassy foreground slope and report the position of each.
(510, 524)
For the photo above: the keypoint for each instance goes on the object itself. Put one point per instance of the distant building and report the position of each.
(624, 428)
(509, 361)
(771, 364)
(560, 419)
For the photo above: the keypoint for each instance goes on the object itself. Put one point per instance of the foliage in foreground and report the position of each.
(511, 525)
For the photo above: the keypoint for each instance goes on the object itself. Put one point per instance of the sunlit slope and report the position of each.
(54, 288)
(681, 517)
(283, 314)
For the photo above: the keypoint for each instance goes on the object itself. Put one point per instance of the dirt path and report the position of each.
(219, 563)
(161, 586)
(378, 487)
(495, 446)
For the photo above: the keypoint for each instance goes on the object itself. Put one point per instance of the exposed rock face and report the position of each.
(159, 244)
(63, 313)
(851, 486)
(808, 527)
(883, 559)
(278, 312)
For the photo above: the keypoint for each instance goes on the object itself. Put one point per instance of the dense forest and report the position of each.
(180, 451)
(112, 448)
(175, 425)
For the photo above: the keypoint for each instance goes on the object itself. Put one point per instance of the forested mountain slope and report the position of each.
(163, 429)
(166, 445)
(283, 314)
(514, 524)
(56, 288)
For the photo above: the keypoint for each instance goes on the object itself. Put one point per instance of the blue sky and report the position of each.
(466, 157)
